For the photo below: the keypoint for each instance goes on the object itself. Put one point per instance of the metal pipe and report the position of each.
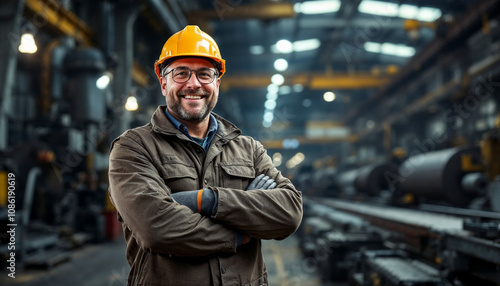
(165, 15)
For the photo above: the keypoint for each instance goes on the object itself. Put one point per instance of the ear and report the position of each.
(163, 85)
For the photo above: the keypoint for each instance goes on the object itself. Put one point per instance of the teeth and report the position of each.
(193, 97)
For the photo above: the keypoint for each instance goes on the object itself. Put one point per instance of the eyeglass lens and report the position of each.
(183, 74)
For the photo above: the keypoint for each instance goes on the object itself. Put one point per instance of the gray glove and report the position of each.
(202, 201)
(261, 182)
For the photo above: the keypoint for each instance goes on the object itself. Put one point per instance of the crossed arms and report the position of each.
(174, 224)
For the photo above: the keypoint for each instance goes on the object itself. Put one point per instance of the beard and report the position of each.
(190, 116)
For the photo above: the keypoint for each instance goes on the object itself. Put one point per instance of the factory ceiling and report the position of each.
(313, 51)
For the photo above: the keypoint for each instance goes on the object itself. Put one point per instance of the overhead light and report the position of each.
(284, 46)
(277, 79)
(131, 104)
(298, 87)
(317, 7)
(271, 96)
(306, 102)
(27, 44)
(329, 96)
(104, 80)
(427, 14)
(270, 104)
(277, 159)
(273, 88)
(378, 8)
(285, 89)
(295, 160)
(266, 124)
(256, 50)
(268, 116)
(280, 64)
(372, 47)
(408, 11)
(306, 45)
(390, 49)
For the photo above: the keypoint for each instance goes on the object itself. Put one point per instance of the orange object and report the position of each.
(191, 42)
(200, 195)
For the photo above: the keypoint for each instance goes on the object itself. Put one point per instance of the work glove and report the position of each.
(261, 182)
(202, 201)
(242, 238)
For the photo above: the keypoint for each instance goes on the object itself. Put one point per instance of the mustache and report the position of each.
(193, 92)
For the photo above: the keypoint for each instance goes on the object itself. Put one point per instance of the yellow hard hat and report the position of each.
(191, 42)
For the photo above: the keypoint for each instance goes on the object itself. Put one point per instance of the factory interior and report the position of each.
(384, 114)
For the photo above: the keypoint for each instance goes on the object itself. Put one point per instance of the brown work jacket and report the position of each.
(168, 244)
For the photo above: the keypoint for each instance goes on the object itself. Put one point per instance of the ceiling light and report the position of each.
(372, 47)
(266, 124)
(270, 104)
(306, 45)
(427, 14)
(285, 89)
(390, 49)
(329, 96)
(277, 79)
(284, 46)
(378, 8)
(27, 44)
(271, 96)
(104, 80)
(408, 11)
(298, 87)
(280, 64)
(131, 104)
(268, 116)
(256, 50)
(317, 7)
(306, 102)
(273, 88)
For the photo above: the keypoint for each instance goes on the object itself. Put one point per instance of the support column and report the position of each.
(125, 15)
(10, 33)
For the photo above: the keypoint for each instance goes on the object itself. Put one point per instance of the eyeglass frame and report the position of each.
(216, 74)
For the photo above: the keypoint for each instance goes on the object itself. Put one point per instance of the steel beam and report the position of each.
(227, 10)
(311, 81)
(52, 14)
(470, 21)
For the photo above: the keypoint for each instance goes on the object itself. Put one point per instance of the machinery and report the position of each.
(430, 219)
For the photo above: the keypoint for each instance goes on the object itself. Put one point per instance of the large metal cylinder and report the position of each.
(438, 175)
(83, 67)
(373, 179)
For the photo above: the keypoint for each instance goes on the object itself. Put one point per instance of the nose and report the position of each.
(193, 80)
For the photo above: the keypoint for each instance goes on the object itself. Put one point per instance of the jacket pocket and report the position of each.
(236, 175)
(180, 177)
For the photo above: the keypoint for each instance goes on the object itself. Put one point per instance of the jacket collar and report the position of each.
(162, 125)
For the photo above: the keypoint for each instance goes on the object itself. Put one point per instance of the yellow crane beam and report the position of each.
(261, 10)
(311, 81)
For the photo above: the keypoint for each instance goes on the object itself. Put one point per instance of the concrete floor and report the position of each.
(105, 264)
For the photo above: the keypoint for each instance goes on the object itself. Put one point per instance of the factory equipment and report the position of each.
(453, 175)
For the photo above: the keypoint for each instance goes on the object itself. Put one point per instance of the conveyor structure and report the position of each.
(369, 244)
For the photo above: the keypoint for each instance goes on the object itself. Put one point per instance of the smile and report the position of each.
(192, 96)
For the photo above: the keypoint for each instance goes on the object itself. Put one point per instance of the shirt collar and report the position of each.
(212, 127)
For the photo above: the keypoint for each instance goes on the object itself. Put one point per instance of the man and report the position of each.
(194, 196)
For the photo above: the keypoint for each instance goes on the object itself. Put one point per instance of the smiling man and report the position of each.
(194, 196)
